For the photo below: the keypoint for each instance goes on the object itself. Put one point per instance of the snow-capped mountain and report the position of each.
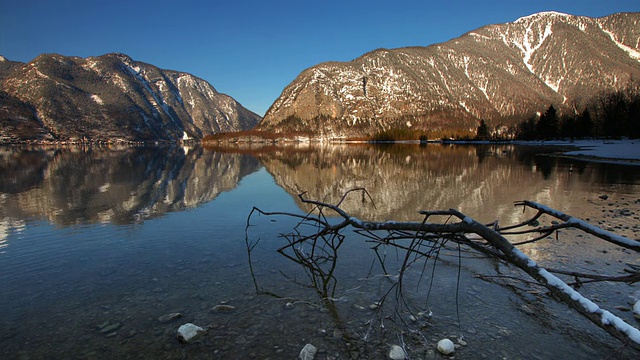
(111, 97)
(501, 73)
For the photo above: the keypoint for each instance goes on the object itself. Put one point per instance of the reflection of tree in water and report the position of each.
(93, 184)
(616, 174)
(546, 165)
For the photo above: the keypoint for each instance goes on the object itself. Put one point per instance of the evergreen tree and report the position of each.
(568, 127)
(548, 125)
(482, 132)
(584, 125)
(613, 114)
(633, 112)
(527, 129)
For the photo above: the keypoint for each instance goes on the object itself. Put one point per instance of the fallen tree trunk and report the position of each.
(495, 240)
(603, 318)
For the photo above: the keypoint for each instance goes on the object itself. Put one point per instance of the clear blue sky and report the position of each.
(251, 50)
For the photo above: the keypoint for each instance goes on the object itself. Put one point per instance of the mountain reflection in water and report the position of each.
(80, 185)
(480, 181)
(84, 185)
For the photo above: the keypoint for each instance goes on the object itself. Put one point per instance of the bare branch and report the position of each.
(409, 237)
(571, 221)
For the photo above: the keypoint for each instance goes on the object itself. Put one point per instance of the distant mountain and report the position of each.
(110, 97)
(501, 73)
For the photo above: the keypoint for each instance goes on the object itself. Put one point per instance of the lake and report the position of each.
(100, 245)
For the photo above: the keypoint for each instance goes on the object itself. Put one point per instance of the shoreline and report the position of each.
(624, 152)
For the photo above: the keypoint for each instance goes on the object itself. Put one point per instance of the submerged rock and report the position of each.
(446, 347)
(308, 352)
(397, 353)
(223, 308)
(169, 317)
(375, 305)
(189, 333)
(108, 327)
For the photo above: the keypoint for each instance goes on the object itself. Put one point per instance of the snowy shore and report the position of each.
(618, 151)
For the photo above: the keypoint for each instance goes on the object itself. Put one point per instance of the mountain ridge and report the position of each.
(111, 98)
(499, 72)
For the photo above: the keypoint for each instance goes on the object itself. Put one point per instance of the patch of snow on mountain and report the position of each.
(158, 100)
(181, 79)
(633, 53)
(390, 83)
(543, 14)
(90, 64)
(476, 35)
(97, 99)
(465, 59)
(153, 97)
(582, 26)
(512, 69)
(38, 72)
(208, 91)
(529, 44)
(464, 105)
(483, 88)
(554, 84)
(119, 82)
(160, 85)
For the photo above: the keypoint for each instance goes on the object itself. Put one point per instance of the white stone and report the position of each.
(446, 347)
(397, 353)
(307, 352)
(189, 332)
(636, 307)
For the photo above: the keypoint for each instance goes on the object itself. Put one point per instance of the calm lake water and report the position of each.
(97, 244)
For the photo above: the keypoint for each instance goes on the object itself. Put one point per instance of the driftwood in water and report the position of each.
(492, 240)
